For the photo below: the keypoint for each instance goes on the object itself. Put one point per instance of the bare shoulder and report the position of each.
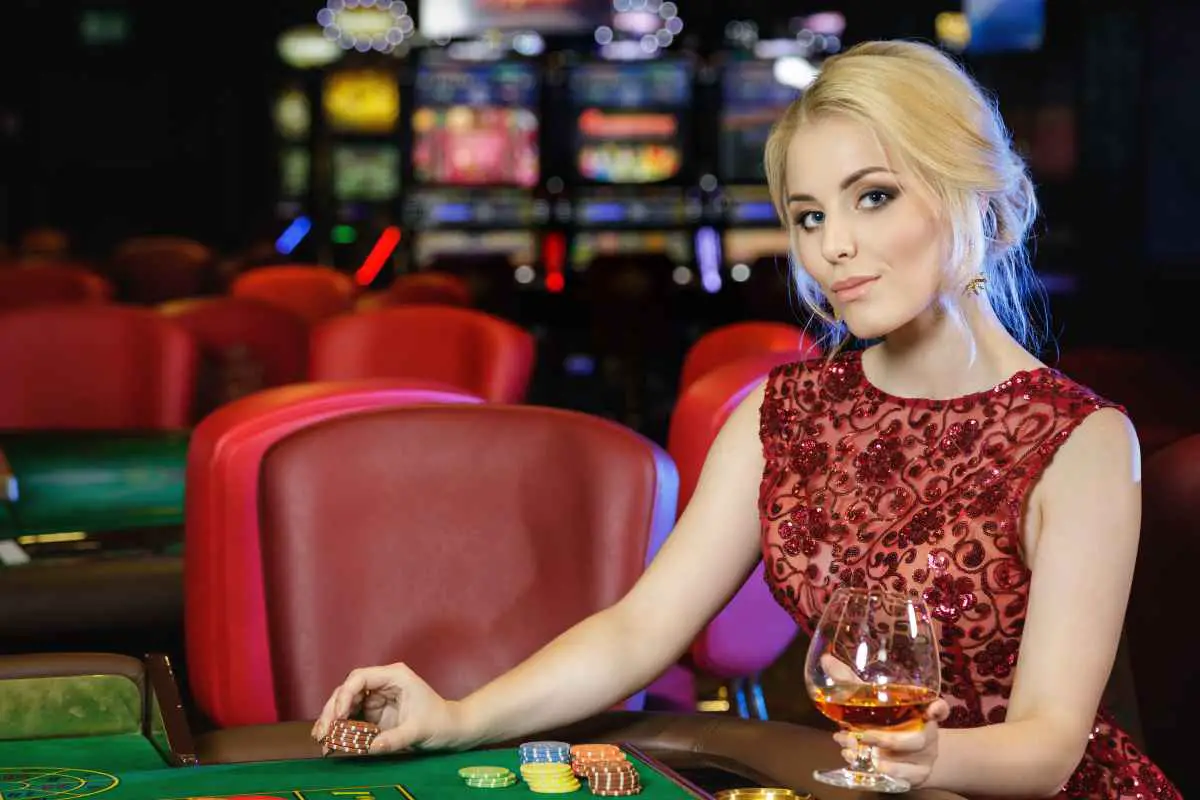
(1091, 488)
(1105, 441)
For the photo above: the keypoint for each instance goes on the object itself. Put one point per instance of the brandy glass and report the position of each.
(872, 665)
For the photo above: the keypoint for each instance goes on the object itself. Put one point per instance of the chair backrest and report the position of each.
(226, 628)
(314, 293)
(245, 346)
(462, 579)
(752, 631)
(741, 339)
(52, 284)
(1163, 650)
(95, 367)
(1160, 389)
(469, 349)
(429, 288)
(155, 269)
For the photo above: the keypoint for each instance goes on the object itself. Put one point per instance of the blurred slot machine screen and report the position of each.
(676, 245)
(294, 166)
(475, 125)
(748, 245)
(292, 114)
(366, 172)
(629, 128)
(752, 101)
(518, 246)
(466, 18)
(1008, 26)
(362, 101)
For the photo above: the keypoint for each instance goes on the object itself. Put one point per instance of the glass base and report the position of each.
(867, 781)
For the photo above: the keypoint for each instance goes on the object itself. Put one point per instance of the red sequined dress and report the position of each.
(864, 488)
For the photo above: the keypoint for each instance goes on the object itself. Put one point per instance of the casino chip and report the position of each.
(349, 737)
(488, 777)
(550, 777)
(606, 768)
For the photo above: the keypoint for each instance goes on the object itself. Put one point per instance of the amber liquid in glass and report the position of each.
(875, 706)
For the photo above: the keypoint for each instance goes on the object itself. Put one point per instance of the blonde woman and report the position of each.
(944, 461)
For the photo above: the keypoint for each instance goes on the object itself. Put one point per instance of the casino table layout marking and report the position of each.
(52, 783)
(392, 792)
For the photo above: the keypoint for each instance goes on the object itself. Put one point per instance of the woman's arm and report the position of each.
(619, 650)
(1087, 515)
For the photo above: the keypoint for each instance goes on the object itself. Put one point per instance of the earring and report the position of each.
(837, 315)
(975, 286)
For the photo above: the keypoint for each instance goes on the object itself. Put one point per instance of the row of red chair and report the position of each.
(311, 292)
(116, 367)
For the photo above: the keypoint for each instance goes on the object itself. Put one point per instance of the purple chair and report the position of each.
(752, 631)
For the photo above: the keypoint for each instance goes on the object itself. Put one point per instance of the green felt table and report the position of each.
(53, 481)
(128, 767)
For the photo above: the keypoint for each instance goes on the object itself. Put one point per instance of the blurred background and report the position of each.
(384, 138)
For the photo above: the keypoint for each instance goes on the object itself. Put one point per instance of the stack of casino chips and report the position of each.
(488, 777)
(550, 777)
(608, 772)
(546, 767)
(350, 737)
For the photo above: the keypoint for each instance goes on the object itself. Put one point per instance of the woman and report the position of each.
(944, 460)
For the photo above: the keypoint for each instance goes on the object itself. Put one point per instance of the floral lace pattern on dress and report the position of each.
(863, 488)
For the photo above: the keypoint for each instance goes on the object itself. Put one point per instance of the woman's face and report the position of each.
(864, 231)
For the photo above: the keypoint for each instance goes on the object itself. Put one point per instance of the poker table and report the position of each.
(128, 767)
(110, 727)
(54, 481)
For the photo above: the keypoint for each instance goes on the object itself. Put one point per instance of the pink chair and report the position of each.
(479, 353)
(752, 631)
(732, 342)
(245, 346)
(223, 568)
(312, 292)
(30, 285)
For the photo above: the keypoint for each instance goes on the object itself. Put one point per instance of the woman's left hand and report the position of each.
(906, 754)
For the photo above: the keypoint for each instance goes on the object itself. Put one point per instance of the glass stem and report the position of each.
(864, 756)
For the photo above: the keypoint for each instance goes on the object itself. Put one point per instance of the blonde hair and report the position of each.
(950, 136)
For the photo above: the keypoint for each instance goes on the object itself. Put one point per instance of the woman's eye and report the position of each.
(875, 198)
(810, 219)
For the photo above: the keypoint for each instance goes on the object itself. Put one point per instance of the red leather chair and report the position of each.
(731, 342)
(223, 586)
(476, 352)
(1163, 648)
(378, 542)
(155, 269)
(421, 288)
(245, 346)
(314, 293)
(95, 367)
(50, 284)
(752, 631)
(1160, 389)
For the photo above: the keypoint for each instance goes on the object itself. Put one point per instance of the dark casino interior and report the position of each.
(311, 309)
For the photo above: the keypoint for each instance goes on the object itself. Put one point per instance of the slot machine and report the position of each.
(302, 51)
(475, 163)
(360, 103)
(632, 188)
(752, 100)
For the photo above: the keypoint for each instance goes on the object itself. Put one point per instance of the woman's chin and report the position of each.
(865, 328)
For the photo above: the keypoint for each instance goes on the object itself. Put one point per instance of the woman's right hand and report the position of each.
(409, 713)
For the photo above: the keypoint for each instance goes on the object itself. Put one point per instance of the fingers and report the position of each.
(915, 774)
(939, 711)
(356, 689)
(838, 670)
(393, 740)
(910, 741)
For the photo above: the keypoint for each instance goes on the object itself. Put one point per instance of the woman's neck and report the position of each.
(942, 355)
